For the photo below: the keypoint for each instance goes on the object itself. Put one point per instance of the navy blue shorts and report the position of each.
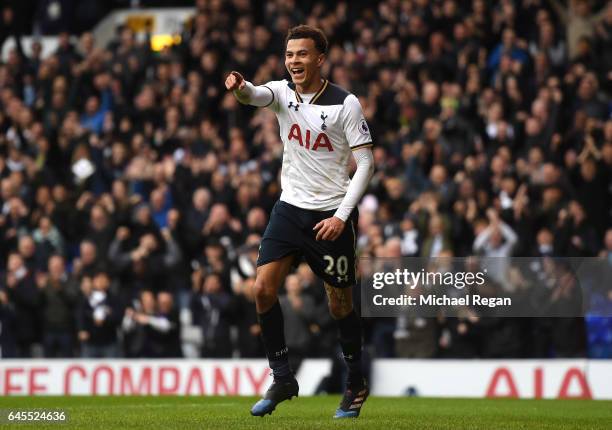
(290, 231)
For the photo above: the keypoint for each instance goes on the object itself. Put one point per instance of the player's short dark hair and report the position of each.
(308, 32)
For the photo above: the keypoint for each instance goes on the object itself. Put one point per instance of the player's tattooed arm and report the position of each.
(340, 301)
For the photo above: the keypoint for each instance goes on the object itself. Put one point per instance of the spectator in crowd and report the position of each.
(496, 242)
(135, 340)
(579, 20)
(22, 293)
(8, 327)
(98, 318)
(415, 337)
(437, 238)
(59, 296)
(33, 257)
(88, 263)
(197, 214)
(211, 307)
(460, 337)
(166, 327)
(98, 229)
(146, 263)
(47, 238)
(152, 328)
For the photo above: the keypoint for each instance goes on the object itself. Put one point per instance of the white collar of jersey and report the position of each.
(316, 96)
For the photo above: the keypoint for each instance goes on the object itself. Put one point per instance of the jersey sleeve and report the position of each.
(356, 128)
(275, 87)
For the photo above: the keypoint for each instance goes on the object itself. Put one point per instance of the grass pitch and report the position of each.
(232, 413)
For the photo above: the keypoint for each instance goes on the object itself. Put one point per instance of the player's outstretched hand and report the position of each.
(329, 229)
(234, 81)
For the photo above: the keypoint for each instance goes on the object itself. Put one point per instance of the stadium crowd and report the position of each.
(134, 187)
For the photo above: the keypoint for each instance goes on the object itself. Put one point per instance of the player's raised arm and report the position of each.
(247, 93)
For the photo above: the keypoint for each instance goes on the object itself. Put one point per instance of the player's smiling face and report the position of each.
(303, 62)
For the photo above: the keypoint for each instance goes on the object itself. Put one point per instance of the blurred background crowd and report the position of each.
(134, 189)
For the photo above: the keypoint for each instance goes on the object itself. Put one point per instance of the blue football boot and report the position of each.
(351, 403)
(280, 390)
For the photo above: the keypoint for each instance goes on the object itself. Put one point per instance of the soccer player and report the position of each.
(316, 216)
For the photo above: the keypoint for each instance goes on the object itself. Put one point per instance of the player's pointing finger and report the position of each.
(238, 80)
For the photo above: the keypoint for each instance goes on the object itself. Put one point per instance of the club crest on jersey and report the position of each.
(293, 106)
(321, 141)
(323, 117)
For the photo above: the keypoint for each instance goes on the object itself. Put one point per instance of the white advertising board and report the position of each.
(549, 379)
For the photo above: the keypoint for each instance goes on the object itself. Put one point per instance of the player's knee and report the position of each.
(339, 310)
(265, 293)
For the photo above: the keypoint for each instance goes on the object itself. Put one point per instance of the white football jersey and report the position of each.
(318, 135)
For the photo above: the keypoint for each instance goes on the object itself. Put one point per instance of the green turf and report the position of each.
(230, 413)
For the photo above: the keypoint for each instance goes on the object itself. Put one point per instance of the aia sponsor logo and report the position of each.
(574, 384)
(321, 141)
